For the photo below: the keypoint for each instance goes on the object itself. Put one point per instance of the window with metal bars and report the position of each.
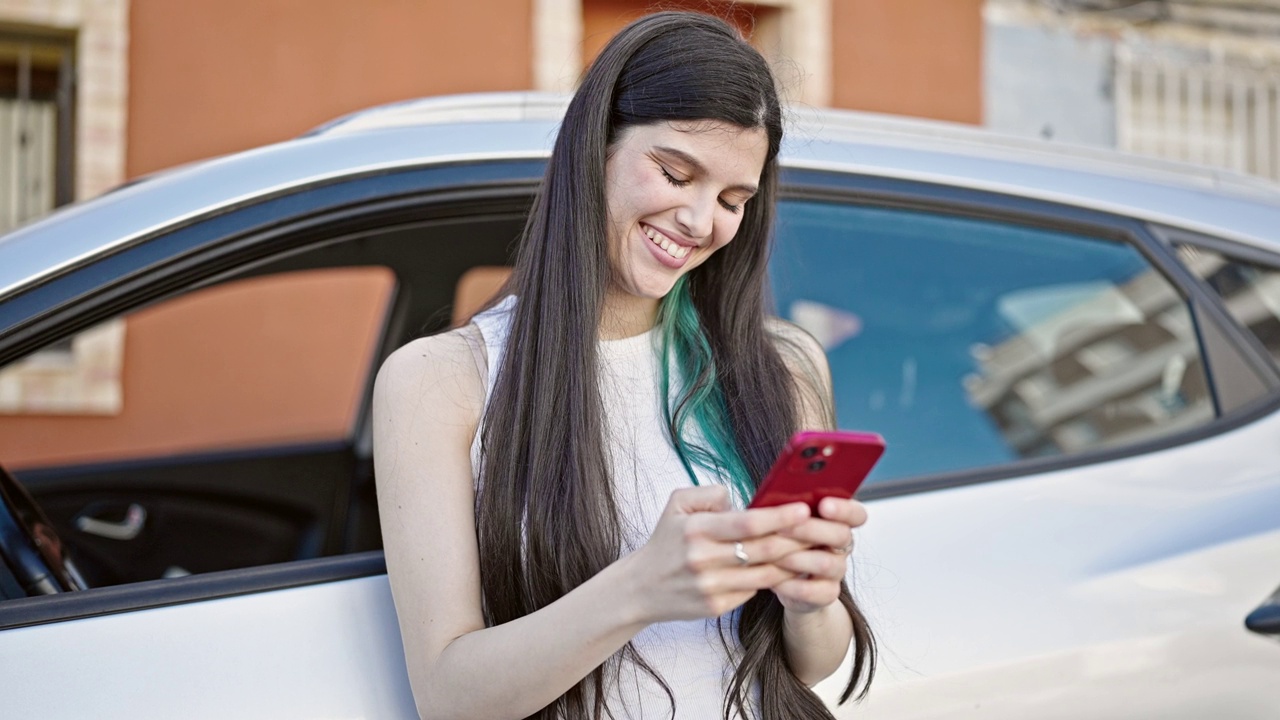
(37, 115)
(1207, 106)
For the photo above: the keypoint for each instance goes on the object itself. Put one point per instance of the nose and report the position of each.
(696, 217)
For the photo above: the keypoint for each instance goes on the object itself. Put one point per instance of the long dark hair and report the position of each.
(543, 454)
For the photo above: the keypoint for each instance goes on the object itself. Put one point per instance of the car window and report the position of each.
(252, 363)
(971, 343)
(206, 432)
(1250, 291)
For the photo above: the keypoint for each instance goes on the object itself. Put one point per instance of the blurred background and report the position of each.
(97, 92)
(94, 93)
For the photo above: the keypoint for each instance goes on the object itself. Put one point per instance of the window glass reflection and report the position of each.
(1250, 291)
(970, 343)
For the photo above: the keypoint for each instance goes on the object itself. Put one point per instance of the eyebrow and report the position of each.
(699, 168)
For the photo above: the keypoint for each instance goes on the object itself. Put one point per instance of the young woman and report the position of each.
(562, 480)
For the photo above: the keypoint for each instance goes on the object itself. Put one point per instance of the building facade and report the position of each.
(1188, 80)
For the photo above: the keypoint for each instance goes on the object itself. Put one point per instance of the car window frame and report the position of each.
(229, 243)
(199, 251)
(1255, 351)
(166, 592)
(914, 195)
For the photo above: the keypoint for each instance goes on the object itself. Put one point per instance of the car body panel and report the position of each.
(330, 650)
(862, 144)
(1131, 604)
(119, 218)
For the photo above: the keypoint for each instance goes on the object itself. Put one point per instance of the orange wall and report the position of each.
(265, 361)
(209, 77)
(910, 57)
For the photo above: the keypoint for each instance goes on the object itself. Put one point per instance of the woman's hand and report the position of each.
(693, 567)
(817, 569)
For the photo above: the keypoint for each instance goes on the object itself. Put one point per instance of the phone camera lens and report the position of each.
(808, 452)
(817, 465)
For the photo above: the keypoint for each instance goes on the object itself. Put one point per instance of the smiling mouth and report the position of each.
(673, 249)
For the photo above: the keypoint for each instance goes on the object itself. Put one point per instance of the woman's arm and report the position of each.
(427, 404)
(817, 629)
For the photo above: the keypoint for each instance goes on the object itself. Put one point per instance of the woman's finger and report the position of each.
(704, 498)
(759, 551)
(821, 533)
(818, 564)
(849, 512)
(807, 595)
(754, 577)
(746, 524)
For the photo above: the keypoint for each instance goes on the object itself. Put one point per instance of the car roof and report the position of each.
(485, 126)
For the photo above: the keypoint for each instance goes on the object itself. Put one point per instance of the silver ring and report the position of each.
(741, 553)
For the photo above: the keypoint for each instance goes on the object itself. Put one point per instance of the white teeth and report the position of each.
(673, 249)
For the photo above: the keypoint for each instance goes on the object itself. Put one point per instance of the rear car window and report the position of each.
(970, 343)
(1250, 291)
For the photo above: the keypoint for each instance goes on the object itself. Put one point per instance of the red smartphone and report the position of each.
(815, 465)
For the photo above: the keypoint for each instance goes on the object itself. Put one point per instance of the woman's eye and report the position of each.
(672, 178)
(682, 183)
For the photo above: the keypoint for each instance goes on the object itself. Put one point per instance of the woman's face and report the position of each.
(675, 193)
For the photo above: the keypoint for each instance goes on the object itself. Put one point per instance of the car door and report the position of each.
(233, 441)
(1076, 509)
(308, 630)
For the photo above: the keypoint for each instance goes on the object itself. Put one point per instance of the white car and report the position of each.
(1074, 357)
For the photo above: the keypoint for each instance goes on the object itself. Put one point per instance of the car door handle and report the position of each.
(135, 518)
(1266, 618)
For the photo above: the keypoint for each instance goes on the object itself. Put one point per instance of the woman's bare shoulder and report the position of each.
(442, 373)
(806, 360)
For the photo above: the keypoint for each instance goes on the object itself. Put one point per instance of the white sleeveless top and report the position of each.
(689, 655)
